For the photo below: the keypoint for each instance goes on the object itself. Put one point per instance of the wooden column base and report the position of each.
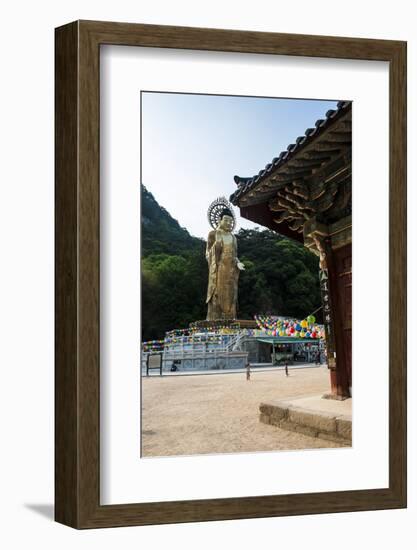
(337, 391)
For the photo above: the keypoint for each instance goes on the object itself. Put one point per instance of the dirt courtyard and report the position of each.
(219, 413)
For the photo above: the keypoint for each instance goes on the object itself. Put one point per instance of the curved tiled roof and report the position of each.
(248, 183)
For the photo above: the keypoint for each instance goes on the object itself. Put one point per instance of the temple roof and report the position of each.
(320, 144)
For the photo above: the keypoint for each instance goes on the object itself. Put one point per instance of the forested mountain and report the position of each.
(160, 232)
(280, 277)
(174, 272)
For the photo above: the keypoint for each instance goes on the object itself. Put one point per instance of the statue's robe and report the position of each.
(221, 254)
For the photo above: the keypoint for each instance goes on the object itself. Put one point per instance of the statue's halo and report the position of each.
(216, 209)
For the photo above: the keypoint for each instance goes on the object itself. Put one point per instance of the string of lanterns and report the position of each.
(222, 329)
(187, 336)
(153, 345)
(277, 326)
(268, 325)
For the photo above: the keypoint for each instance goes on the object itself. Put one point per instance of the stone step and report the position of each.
(333, 424)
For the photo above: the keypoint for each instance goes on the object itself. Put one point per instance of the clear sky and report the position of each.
(193, 145)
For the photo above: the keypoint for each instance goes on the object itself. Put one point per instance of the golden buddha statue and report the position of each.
(223, 263)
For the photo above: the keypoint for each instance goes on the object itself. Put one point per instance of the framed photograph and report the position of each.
(230, 274)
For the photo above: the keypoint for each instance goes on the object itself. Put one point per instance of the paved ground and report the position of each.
(186, 415)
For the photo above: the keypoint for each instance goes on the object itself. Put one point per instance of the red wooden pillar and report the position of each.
(340, 294)
(343, 261)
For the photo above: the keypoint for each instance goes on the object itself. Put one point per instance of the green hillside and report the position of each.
(160, 232)
(281, 276)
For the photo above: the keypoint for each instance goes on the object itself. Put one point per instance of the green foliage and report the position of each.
(173, 292)
(280, 277)
(174, 272)
(160, 232)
